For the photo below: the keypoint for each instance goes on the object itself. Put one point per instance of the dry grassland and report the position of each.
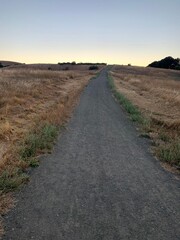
(156, 93)
(28, 99)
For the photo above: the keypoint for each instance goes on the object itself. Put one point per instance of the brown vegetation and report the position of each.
(156, 93)
(28, 99)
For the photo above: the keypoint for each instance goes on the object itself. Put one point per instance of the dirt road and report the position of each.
(101, 182)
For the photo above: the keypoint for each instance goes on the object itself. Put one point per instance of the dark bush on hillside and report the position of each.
(167, 63)
(177, 67)
(1, 66)
(93, 68)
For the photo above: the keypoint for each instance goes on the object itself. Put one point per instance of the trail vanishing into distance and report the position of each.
(100, 182)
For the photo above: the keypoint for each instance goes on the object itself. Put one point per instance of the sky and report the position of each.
(133, 32)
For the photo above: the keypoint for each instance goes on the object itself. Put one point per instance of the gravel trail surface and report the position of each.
(100, 183)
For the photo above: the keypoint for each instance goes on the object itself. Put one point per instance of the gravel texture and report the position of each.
(100, 183)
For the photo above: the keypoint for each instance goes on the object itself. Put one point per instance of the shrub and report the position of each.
(93, 67)
(170, 153)
(39, 141)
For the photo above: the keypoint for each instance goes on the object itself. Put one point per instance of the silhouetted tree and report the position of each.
(167, 63)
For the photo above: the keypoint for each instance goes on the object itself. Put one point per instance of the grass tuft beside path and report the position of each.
(134, 112)
(167, 148)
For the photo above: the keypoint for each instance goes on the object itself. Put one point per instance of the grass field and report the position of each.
(156, 93)
(33, 105)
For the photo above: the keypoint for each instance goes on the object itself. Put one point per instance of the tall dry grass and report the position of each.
(156, 93)
(29, 100)
(27, 96)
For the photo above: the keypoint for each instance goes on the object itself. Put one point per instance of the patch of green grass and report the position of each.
(40, 140)
(146, 125)
(12, 180)
(170, 153)
(164, 137)
(33, 162)
(134, 112)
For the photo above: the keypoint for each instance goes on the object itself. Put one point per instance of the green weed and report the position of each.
(33, 162)
(170, 153)
(164, 137)
(12, 180)
(134, 112)
(40, 140)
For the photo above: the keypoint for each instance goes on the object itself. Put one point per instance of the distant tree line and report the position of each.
(167, 63)
(1, 66)
(74, 63)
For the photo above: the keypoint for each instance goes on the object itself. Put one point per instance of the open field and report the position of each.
(49, 66)
(156, 93)
(32, 101)
(9, 63)
(100, 182)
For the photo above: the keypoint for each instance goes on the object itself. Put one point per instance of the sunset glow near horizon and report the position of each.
(111, 31)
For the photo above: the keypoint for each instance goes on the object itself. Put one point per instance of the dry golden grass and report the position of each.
(28, 98)
(6, 203)
(156, 93)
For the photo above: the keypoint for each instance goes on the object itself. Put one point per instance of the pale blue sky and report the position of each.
(112, 31)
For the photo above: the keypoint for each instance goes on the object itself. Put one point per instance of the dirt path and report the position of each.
(101, 182)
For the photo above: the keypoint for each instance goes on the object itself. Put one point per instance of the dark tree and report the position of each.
(167, 63)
